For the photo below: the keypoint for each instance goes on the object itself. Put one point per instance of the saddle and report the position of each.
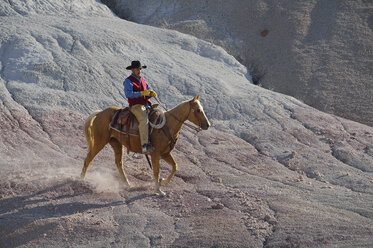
(125, 122)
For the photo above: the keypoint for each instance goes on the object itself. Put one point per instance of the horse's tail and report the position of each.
(88, 130)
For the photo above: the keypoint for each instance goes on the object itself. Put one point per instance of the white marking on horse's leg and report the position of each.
(158, 190)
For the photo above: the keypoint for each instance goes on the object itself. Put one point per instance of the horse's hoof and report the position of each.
(161, 193)
(82, 176)
(161, 180)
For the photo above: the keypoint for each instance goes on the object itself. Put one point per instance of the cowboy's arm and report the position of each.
(148, 91)
(152, 94)
(128, 90)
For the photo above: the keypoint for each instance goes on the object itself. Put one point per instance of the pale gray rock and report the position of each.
(317, 51)
(270, 172)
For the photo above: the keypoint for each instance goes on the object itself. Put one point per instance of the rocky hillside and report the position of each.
(317, 51)
(270, 172)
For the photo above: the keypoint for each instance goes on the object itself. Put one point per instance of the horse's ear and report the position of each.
(198, 97)
(195, 98)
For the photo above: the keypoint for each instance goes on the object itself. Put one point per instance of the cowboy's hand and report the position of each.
(152, 93)
(145, 92)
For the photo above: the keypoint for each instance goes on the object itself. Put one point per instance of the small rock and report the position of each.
(217, 180)
(264, 33)
(217, 206)
(366, 149)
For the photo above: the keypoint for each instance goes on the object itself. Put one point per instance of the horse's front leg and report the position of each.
(156, 172)
(171, 161)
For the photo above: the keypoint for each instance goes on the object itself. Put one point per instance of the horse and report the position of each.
(98, 133)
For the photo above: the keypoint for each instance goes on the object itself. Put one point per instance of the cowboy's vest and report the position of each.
(138, 86)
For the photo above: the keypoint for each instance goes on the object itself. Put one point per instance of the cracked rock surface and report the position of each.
(270, 172)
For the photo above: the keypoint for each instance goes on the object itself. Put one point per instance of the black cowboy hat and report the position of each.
(135, 64)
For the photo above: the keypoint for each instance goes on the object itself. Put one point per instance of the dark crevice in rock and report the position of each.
(123, 13)
(15, 8)
(257, 74)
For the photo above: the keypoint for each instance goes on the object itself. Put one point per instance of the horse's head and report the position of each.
(197, 115)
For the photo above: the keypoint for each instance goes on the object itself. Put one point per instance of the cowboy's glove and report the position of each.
(152, 93)
(146, 92)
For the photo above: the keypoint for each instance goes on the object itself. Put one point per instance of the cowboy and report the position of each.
(138, 93)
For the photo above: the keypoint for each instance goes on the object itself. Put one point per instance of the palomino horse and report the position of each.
(98, 134)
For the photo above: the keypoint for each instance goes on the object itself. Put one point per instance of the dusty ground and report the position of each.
(225, 194)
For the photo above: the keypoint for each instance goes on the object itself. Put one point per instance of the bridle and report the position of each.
(197, 129)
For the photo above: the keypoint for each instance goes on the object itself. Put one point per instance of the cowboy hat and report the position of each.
(135, 64)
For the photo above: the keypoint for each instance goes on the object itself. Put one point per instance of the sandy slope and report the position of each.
(271, 171)
(317, 51)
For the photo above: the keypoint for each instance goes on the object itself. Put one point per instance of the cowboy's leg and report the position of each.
(140, 112)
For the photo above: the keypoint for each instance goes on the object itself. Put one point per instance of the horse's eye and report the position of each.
(198, 111)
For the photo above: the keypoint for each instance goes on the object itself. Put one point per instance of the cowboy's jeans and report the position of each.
(141, 115)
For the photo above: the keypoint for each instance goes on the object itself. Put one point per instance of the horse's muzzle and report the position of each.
(205, 126)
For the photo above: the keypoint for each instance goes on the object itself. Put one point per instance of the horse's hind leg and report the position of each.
(118, 151)
(90, 156)
(171, 161)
